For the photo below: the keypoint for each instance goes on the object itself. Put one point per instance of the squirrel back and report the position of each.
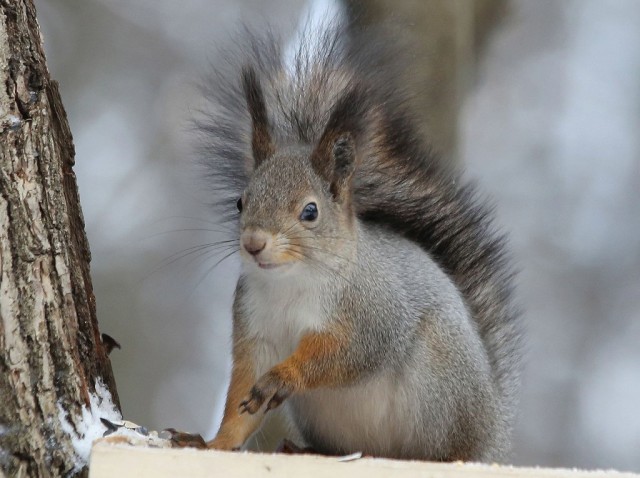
(337, 85)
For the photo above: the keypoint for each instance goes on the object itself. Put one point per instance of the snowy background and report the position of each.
(550, 128)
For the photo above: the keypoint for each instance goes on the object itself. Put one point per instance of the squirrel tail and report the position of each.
(401, 183)
(404, 187)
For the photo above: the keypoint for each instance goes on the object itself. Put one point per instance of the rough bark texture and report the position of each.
(51, 353)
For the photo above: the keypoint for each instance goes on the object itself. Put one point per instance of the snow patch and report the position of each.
(87, 428)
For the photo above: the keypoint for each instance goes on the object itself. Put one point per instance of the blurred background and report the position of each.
(538, 100)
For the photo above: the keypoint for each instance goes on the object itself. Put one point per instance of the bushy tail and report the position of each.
(402, 185)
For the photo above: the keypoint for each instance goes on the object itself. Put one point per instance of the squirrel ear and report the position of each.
(261, 144)
(335, 162)
(334, 157)
(344, 161)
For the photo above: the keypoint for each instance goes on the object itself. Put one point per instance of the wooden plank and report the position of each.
(126, 461)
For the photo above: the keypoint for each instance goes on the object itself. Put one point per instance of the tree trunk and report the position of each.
(444, 37)
(54, 368)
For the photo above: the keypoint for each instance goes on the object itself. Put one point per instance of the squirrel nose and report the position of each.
(254, 243)
(254, 248)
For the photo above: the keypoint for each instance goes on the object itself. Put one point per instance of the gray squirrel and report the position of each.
(375, 297)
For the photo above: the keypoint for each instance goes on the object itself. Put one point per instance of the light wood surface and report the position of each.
(124, 461)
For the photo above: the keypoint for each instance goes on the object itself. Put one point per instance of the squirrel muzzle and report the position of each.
(257, 246)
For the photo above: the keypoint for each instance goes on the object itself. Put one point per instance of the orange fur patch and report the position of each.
(236, 428)
(315, 363)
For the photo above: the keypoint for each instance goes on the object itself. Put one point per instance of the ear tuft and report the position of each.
(261, 144)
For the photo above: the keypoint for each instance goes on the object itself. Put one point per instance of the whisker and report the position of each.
(193, 229)
(208, 271)
(327, 271)
(312, 236)
(197, 219)
(221, 250)
(327, 252)
(278, 243)
(284, 233)
(188, 250)
(323, 268)
(213, 246)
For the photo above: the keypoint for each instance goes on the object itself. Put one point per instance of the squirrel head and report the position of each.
(296, 210)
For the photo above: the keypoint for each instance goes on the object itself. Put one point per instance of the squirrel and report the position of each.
(375, 296)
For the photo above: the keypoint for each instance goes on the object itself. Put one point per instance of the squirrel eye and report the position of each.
(310, 212)
(239, 205)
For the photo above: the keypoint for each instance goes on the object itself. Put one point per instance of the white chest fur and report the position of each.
(278, 313)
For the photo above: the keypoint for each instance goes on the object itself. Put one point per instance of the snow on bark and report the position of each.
(87, 427)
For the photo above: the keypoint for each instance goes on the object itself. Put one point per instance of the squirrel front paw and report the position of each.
(272, 386)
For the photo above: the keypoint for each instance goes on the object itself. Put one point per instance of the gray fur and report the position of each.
(425, 389)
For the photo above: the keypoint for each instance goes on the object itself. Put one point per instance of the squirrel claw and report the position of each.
(269, 385)
(252, 403)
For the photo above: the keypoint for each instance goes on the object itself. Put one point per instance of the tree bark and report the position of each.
(51, 353)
